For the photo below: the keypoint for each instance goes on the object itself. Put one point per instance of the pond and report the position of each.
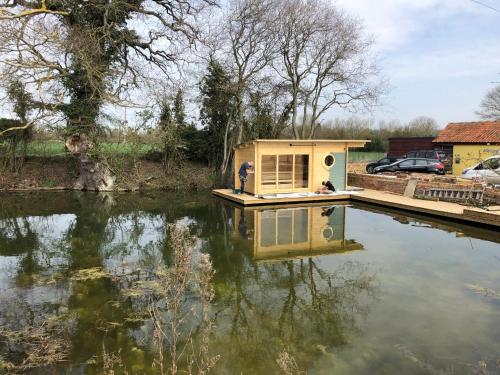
(345, 289)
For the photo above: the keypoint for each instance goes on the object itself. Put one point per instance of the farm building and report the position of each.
(292, 166)
(399, 146)
(471, 142)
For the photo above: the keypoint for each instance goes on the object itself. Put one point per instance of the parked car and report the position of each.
(419, 165)
(370, 167)
(487, 170)
(443, 156)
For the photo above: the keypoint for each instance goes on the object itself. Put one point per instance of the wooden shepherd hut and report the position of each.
(292, 166)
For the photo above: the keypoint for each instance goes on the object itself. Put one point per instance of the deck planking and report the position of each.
(447, 210)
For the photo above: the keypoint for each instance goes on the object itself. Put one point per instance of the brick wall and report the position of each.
(398, 185)
(377, 182)
(492, 196)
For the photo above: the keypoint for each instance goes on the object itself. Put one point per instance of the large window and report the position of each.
(301, 179)
(268, 172)
(285, 172)
(284, 227)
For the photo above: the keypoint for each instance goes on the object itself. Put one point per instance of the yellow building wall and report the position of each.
(242, 155)
(317, 171)
(465, 156)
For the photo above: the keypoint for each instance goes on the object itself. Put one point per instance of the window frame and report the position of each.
(323, 161)
(404, 161)
(274, 221)
(276, 186)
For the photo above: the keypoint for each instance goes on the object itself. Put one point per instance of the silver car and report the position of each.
(488, 171)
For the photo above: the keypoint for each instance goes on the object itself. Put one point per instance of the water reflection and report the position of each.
(295, 232)
(286, 278)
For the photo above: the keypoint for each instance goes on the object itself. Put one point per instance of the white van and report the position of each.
(488, 170)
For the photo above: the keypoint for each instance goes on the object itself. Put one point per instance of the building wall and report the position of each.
(281, 149)
(465, 156)
(338, 173)
(242, 155)
(318, 171)
(399, 146)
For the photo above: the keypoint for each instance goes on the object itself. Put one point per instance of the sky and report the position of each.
(440, 56)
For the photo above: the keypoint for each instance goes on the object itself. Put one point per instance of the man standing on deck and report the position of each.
(245, 169)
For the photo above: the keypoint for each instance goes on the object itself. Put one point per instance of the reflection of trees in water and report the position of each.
(30, 241)
(296, 305)
(18, 239)
(259, 308)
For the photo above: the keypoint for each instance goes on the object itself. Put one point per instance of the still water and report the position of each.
(344, 289)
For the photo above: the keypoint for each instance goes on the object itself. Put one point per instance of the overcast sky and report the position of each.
(441, 56)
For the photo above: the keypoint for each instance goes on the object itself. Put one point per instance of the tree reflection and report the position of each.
(17, 239)
(292, 304)
(300, 304)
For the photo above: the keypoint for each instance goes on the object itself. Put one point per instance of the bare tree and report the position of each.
(252, 48)
(244, 43)
(79, 56)
(421, 126)
(490, 105)
(324, 61)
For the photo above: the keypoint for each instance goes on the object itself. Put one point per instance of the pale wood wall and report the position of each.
(241, 155)
(318, 172)
(317, 151)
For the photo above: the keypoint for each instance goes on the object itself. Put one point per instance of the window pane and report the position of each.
(268, 171)
(491, 163)
(421, 162)
(406, 163)
(285, 171)
(284, 227)
(301, 171)
(329, 160)
(268, 228)
(300, 225)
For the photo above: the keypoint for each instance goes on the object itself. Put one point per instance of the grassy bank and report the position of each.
(51, 148)
(48, 166)
(59, 172)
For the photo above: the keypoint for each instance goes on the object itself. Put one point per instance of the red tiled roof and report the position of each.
(470, 132)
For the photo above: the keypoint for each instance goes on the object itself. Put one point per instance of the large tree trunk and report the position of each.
(93, 174)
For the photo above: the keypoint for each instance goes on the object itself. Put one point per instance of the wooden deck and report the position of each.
(446, 210)
(250, 200)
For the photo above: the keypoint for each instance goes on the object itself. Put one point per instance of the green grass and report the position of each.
(360, 156)
(56, 148)
(46, 148)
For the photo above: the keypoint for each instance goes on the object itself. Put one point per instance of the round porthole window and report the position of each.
(329, 161)
(327, 232)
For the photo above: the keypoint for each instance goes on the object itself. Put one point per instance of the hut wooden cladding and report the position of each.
(289, 166)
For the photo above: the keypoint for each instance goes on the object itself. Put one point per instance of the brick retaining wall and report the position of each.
(397, 185)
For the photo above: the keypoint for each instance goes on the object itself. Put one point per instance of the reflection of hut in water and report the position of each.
(295, 231)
